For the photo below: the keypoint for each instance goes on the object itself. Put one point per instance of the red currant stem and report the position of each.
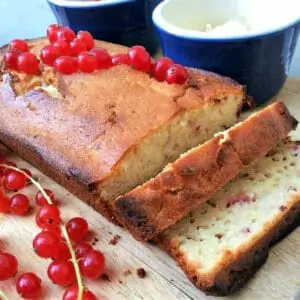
(63, 230)
(2, 295)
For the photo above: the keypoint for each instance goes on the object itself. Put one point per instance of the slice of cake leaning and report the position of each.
(188, 182)
(223, 243)
(102, 134)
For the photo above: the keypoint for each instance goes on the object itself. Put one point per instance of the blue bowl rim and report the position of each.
(199, 36)
(88, 3)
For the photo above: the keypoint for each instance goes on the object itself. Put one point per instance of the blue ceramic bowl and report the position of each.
(258, 57)
(126, 22)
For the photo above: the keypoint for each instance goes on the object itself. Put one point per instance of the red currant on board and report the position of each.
(4, 203)
(87, 62)
(10, 59)
(63, 47)
(176, 74)
(18, 45)
(52, 32)
(77, 229)
(103, 58)
(120, 59)
(62, 252)
(81, 249)
(160, 68)
(48, 216)
(86, 38)
(45, 244)
(8, 266)
(140, 59)
(15, 180)
(27, 172)
(19, 205)
(62, 272)
(55, 230)
(92, 264)
(71, 293)
(28, 285)
(66, 65)
(77, 47)
(66, 34)
(40, 199)
(7, 170)
(49, 54)
(28, 63)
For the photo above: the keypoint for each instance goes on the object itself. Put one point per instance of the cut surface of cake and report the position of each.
(183, 185)
(223, 243)
(102, 134)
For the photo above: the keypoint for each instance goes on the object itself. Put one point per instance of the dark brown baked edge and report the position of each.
(88, 193)
(235, 275)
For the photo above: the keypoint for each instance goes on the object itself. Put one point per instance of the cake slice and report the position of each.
(102, 134)
(183, 185)
(223, 243)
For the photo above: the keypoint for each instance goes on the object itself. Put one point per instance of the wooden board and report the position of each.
(278, 279)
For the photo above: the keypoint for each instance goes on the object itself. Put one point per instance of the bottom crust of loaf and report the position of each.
(86, 193)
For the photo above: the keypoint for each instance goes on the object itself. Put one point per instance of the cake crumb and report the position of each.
(141, 272)
(114, 240)
(127, 272)
(106, 277)
(120, 281)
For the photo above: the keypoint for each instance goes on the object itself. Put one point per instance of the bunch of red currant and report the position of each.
(71, 256)
(69, 53)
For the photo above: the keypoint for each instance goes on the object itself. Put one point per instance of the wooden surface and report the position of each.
(278, 279)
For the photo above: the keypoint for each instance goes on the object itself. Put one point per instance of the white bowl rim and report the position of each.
(160, 22)
(88, 3)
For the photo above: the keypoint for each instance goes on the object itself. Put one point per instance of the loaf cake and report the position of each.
(102, 134)
(222, 244)
(183, 185)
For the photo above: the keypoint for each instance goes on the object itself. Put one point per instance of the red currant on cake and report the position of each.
(103, 58)
(28, 63)
(10, 59)
(52, 32)
(176, 74)
(18, 45)
(62, 272)
(77, 47)
(86, 38)
(120, 59)
(49, 54)
(66, 65)
(19, 204)
(66, 34)
(28, 286)
(87, 62)
(140, 59)
(63, 47)
(71, 293)
(160, 67)
(8, 266)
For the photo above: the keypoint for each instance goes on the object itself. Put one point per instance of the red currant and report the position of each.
(62, 272)
(18, 45)
(66, 34)
(140, 59)
(160, 68)
(176, 74)
(103, 58)
(40, 199)
(55, 230)
(52, 32)
(4, 203)
(15, 180)
(28, 285)
(27, 172)
(87, 62)
(10, 59)
(49, 54)
(8, 266)
(5, 171)
(45, 244)
(92, 264)
(28, 63)
(87, 38)
(19, 204)
(64, 48)
(48, 216)
(71, 293)
(66, 65)
(77, 47)
(62, 251)
(77, 229)
(120, 59)
(81, 249)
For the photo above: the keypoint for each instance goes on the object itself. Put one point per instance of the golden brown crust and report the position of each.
(184, 185)
(236, 270)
